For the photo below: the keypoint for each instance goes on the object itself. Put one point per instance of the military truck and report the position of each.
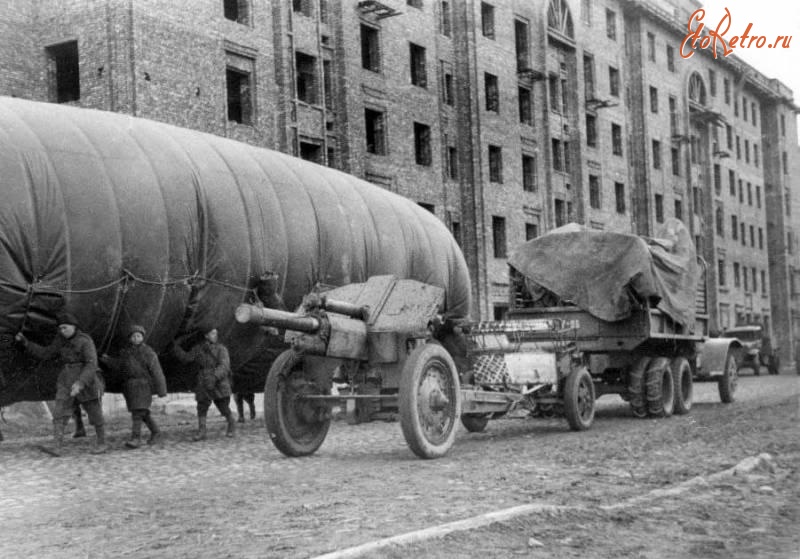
(640, 311)
(757, 350)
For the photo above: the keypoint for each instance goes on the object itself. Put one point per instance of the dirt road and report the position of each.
(241, 498)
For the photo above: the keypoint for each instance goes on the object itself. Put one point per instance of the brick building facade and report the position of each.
(505, 118)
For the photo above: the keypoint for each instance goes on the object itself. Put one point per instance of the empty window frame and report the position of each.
(237, 10)
(611, 24)
(370, 48)
(422, 144)
(64, 72)
(529, 183)
(306, 74)
(594, 192)
(656, 154)
(311, 151)
(676, 161)
(492, 92)
(619, 195)
(375, 131)
(616, 139)
(327, 84)
(487, 20)
(240, 88)
(419, 76)
(525, 106)
(499, 236)
(591, 130)
(557, 154)
(613, 81)
(560, 210)
(302, 7)
(653, 99)
(521, 44)
(495, 164)
(659, 200)
(448, 95)
(588, 76)
(452, 163)
(445, 21)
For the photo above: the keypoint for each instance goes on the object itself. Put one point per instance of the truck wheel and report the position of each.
(774, 365)
(429, 401)
(296, 427)
(730, 377)
(636, 387)
(683, 384)
(659, 389)
(579, 399)
(475, 422)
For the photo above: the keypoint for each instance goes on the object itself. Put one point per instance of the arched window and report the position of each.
(697, 89)
(559, 18)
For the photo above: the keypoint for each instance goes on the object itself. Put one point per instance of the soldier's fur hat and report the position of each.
(66, 318)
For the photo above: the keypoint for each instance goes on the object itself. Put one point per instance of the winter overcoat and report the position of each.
(139, 366)
(78, 358)
(214, 370)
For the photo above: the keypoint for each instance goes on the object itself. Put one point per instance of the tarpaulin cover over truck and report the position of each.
(608, 274)
(127, 221)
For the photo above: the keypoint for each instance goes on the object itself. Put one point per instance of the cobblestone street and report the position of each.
(242, 498)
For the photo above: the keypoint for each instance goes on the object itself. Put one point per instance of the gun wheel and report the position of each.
(729, 379)
(429, 401)
(296, 426)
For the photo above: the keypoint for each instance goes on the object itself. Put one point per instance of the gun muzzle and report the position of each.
(279, 319)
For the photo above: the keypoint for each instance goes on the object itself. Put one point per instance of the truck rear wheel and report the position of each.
(729, 379)
(659, 389)
(296, 427)
(636, 387)
(682, 381)
(429, 401)
(579, 399)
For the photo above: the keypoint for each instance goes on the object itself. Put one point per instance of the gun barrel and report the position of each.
(345, 308)
(279, 319)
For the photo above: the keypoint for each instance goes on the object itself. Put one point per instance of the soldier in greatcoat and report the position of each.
(213, 380)
(265, 294)
(78, 379)
(139, 366)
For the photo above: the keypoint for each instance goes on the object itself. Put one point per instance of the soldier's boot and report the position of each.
(155, 432)
(136, 434)
(231, 431)
(100, 446)
(240, 409)
(251, 402)
(201, 429)
(58, 439)
(80, 430)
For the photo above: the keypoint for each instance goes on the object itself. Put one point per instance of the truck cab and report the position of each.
(757, 348)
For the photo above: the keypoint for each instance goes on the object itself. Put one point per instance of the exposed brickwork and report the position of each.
(167, 61)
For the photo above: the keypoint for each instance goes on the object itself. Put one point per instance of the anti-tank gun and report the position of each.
(389, 334)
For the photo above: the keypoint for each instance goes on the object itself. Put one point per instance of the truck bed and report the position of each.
(594, 335)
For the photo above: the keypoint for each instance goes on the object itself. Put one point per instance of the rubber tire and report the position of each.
(636, 375)
(579, 399)
(729, 379)
(289, 433)
(475, 422)
(683, 384)
(417, 364)
(774, 365)
(659, 388)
